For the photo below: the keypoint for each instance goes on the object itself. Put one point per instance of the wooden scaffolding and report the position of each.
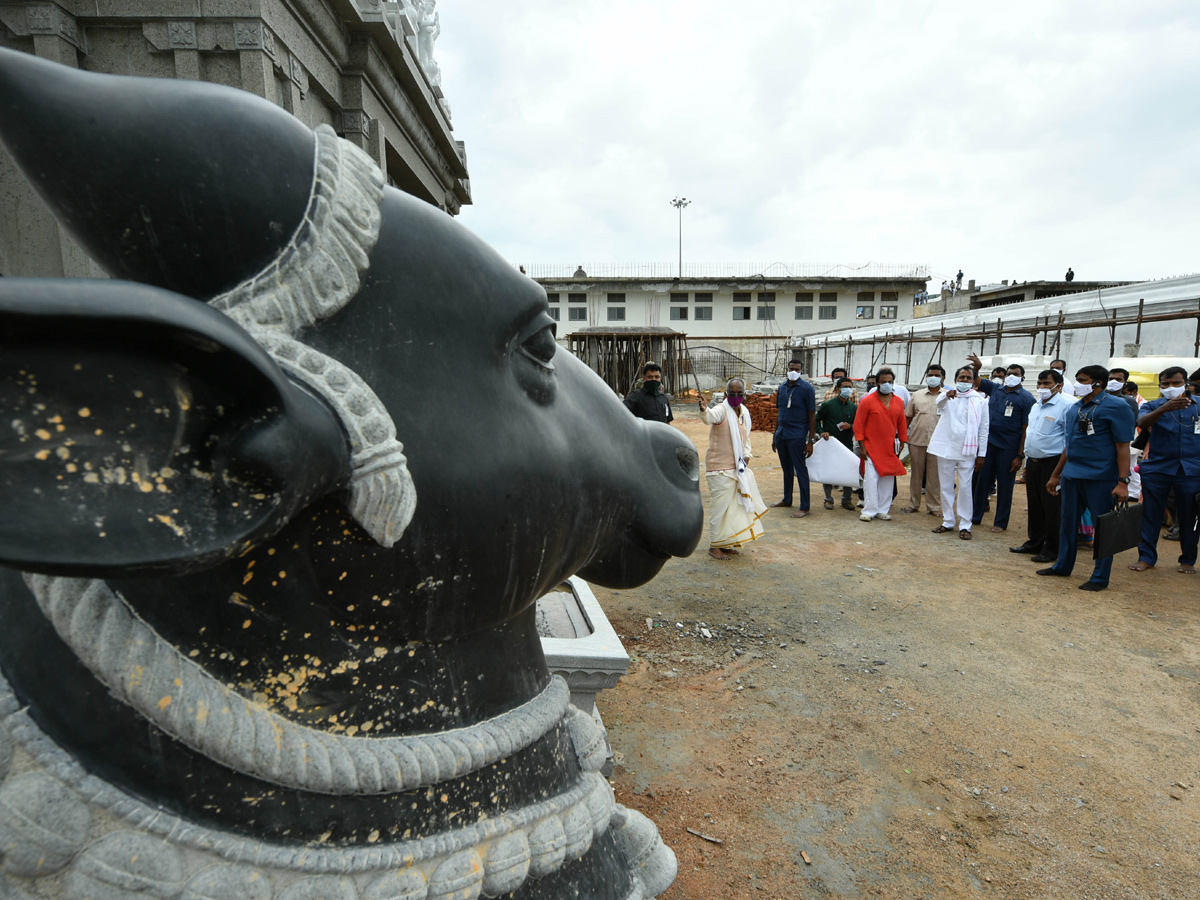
(618, 354)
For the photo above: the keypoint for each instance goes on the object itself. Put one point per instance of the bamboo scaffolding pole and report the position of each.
(1060, 325)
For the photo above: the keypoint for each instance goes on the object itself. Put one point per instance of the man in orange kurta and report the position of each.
(878, 424)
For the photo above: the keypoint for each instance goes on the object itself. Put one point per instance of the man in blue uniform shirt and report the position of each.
(1093, 470)
(1173, 461)
(796, 402)
(1008, 412)
(1045, 440)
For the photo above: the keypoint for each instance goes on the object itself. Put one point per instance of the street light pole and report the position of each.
(679, 203)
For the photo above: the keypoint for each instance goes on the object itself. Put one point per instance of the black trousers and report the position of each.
(1044, 507)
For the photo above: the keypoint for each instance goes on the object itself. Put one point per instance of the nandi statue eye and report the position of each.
(535, 348)
(541, 347)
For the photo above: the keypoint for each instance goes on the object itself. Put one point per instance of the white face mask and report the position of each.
(997, 380)
(1174, 393)
(1012, 381)
(1061, 372)
(794, 376)
(1114, 386)
(1083, 390)
(886, 387)
(1044, 394)
(933, 381)
(964, 386)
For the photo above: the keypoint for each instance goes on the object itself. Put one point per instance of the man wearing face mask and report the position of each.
(897, 388)
(960, 445)
(835, 419)
(1008, 410)
(1173, 462)
(922, 414)
(1116, 387)
(796, 428)
(834, 391)
(648, 401)
(1045, 440)
(878, 424)
(1093, 470)
(1060, 366)
(735, 505)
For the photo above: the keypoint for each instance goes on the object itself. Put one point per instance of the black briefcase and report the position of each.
(1118, 530)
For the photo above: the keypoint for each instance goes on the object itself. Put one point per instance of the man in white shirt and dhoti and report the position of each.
(735, 504)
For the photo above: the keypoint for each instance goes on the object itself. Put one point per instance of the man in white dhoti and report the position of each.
(960, 443)
(735, 505)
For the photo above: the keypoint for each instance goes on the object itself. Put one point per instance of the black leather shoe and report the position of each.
(1051, 571)
(1024, 548)
(1042, 558)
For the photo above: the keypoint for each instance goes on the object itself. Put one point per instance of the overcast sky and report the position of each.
(1010, 140)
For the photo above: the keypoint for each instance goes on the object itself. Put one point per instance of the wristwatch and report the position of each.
(1124, 479)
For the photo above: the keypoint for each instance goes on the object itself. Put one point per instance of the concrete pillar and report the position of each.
(187, 65)
(56, 49)
(181, 35)
(258, 74)
(376, 145)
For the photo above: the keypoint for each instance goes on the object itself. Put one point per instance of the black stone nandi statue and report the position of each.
(252, 647)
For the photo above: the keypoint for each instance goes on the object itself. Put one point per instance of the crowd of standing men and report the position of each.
(967, 436)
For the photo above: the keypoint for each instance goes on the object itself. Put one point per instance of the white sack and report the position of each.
(832, 463)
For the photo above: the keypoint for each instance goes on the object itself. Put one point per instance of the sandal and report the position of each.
(829, 504)
(941, 529)
(965, 534)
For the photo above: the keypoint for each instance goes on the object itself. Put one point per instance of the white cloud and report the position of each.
(1012, 141)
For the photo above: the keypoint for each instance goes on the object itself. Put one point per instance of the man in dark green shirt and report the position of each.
(835, 419)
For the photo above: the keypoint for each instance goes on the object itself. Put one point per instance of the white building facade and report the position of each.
(732, 307)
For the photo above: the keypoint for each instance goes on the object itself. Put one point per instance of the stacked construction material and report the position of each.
(763, 414)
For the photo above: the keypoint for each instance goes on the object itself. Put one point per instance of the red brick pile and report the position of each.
(763, 414)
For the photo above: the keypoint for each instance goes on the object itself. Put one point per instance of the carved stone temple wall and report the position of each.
(363, 67)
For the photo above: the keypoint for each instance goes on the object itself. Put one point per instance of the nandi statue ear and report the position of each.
(145, 433)
(163, 171)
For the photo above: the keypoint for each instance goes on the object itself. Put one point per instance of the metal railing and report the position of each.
(757, 271)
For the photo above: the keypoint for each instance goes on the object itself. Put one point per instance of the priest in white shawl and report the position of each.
(959, 442)
(735, 505)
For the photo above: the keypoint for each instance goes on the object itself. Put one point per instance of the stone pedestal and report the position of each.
(581, 646)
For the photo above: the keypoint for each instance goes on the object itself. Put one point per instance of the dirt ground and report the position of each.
(919, 716)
